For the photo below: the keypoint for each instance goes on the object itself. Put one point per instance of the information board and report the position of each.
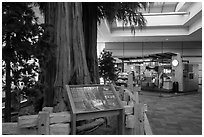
(94, 98)
(94, 101)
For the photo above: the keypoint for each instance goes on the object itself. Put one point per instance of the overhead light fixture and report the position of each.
(167, 39)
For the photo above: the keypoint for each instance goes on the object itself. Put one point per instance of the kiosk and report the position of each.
(164, 72)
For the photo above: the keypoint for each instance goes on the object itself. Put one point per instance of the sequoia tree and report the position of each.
(73, 29)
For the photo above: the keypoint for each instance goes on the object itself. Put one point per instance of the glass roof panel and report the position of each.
(160, 7)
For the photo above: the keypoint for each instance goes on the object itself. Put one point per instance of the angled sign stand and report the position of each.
(94, 101)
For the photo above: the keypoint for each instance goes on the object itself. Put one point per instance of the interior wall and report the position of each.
(100, 47)
(189, 50)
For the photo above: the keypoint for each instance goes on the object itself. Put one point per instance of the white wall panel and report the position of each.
(152, 45)
(133, 46)
(192, 52)
(192, 45)
(172, 45)
(133, 53)
(114, 45)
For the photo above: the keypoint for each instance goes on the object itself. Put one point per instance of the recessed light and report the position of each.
(167, 39)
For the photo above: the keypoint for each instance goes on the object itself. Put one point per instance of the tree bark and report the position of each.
(90, 34)
(7, 114)
(50, 67)
(70, 57)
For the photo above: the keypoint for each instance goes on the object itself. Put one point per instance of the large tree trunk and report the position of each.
(48, 77)
(71, 66)
(90, 34)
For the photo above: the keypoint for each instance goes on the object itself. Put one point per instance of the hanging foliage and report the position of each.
(127, 12)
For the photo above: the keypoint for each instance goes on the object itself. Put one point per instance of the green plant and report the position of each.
(24, 51)
(107, 68)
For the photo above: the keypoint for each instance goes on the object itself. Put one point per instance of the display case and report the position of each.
(94, 101)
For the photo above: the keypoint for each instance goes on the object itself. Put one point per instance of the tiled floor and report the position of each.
(174, 114)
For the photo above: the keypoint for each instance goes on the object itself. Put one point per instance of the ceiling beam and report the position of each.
(165, 13)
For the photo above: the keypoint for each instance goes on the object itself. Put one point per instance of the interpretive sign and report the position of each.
(94, 101)
(94, 98)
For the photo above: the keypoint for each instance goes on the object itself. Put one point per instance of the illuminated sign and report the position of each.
(175, 62)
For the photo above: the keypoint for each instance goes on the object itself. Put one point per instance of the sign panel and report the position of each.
(94, 98)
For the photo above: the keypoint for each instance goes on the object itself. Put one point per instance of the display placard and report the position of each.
(93, 98)
(94, 101)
